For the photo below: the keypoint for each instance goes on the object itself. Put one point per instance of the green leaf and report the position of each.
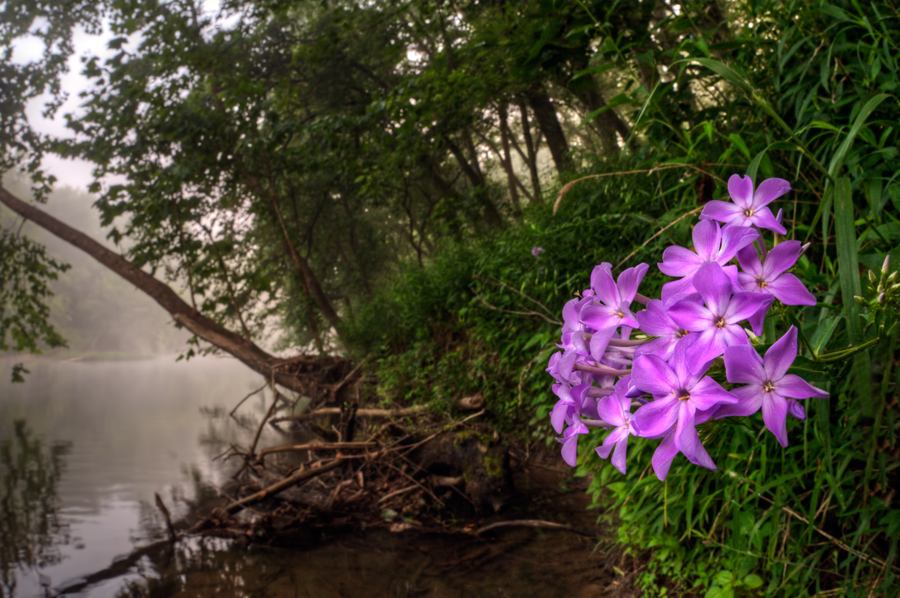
(837, 161)
(724, 578)
(753, 581)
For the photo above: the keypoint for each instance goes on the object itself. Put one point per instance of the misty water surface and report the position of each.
(86, 444)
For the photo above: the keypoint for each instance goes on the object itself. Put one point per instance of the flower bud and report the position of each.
(860, 300)
(872, 277)
(892, 277)
(881, 297)
(886, 264)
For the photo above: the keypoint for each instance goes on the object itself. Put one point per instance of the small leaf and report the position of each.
(753, 581)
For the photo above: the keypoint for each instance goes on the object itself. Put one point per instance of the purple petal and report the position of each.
(683, 426)
(619, 454)
(758, 320)
(558, 416)
(662, 458)
(781, 355)
(764, 219)
(735, 238)
(780, 259)
(796, 409)
(707, 345)
(570, 450)
(774, 410)
(708, 393)
(655, 418)
(629, 280)
(676, 288)
(689, 443)
(743, 365)
(707, 237)
(609, 409)
(599, 317)
(744, 304)
(789, 290)
(748, 258)
(741, 190)
(652, 374)
(654, 320)
(566, 364)
(611, 439)
(723, 211)
(796, 387)
(570, 313)
(749, 398)
(678, 261)
(768, 191)
(600, 341)
(714, 286)
(605, 288)
(691, 316)
(599, 273)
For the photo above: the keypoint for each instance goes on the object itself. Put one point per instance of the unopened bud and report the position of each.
(892, 277)
(872, 277)
(893, 288)
(880, 288)
(881, 297)
(859, 300)
(886, 264)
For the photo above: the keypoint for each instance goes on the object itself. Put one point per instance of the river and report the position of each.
(85, 445)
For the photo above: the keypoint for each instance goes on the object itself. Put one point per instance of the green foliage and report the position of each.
(26, 271)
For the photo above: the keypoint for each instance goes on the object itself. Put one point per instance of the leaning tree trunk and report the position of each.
(243, 349)
(548, 121)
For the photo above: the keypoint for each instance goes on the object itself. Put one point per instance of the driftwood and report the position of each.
(316, 446)
(472, 403)
(300, 476)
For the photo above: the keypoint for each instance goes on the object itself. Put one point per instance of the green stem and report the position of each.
(847, 352)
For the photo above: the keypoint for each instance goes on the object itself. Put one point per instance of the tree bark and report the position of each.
(548, 122)
(507, 159)
(243, 349)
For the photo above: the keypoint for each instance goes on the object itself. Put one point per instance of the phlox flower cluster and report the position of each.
(644, 373)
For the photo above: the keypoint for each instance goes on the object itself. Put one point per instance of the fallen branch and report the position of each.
(537, 523)
(274, 489)
(315, 446)
(399, 412)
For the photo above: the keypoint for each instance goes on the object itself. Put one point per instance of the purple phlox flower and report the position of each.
(680, 390)
(611, 305)
(711, 244)
(616, 411)
(717, 324)
(569, 406)
(655, 321)
(768, 385)
(749, 208)
(537, 251)
(769, 276)
(572, 320)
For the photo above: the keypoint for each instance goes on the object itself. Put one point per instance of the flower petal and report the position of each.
(789, 290)
(618, 459)
(749, 401)
(570, 450)
(707, 237)
(714, 286)
(774, 410)
(610, 410)
(796, 387)
(723, 211)
(655, 418)
(654, 320)
(781, 258)
(629, 280)
(611, 439)
(781, 355)
(691, 316)
(652, 374)
(748, 258)
(708, 393)
(768, 191)
(735, 238)
(605, 287)
(764, 219)
(743, 365)
(663, 456)
(796, 409)
(678, 261)
(741, 190)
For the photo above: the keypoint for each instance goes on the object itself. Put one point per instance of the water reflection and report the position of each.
(32, 530)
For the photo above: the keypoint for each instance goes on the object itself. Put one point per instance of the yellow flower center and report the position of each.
(768, 386)
(720, 323)
(748, 212)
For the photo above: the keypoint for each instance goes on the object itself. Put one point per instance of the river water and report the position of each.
(85, 445)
